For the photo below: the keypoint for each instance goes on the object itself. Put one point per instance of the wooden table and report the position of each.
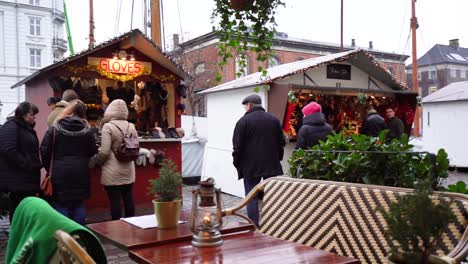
(126, 236)
(246, 247)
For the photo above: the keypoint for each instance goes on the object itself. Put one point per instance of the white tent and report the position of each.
(224, 101)
(445, 122)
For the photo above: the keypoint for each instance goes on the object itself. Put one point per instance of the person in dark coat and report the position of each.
(314, 127)
(73, 147)
(20, 164)
(258, 143)
(373, 124)
(394, 125)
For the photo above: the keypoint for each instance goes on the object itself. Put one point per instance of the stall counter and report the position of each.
(172, 150)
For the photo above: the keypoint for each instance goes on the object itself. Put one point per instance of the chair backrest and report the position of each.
(70, 251)
(342, 217)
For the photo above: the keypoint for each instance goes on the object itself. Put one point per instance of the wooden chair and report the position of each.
(69, 251)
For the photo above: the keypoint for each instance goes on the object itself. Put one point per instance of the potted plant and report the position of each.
(166, 189)
(245, 25)
(415, 226)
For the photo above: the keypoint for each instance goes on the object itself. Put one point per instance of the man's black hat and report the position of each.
(254, 99)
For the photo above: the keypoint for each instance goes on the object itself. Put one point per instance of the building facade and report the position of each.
(32, 36)
(199, 56)
(440, 66)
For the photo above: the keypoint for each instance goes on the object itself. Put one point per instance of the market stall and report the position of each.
(345, 84)
(129, 67)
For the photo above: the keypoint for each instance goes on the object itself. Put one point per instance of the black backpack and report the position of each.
(129, 147)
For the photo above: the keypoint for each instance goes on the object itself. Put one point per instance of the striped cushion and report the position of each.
(340, 217)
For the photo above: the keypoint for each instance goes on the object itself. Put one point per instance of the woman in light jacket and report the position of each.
(117, 176)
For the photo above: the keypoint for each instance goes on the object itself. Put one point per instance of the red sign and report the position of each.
(119, 66)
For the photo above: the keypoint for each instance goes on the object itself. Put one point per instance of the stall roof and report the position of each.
(357, 57)
(457, 91)
(134, 38)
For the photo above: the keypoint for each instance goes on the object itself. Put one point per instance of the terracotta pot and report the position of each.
(240, 5)
(167, 213)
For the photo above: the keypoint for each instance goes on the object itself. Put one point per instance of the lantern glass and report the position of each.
(206, 218)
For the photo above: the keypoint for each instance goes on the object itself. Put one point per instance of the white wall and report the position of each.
(201, 124)
(359, 79)
(224, 110)
(445, 126)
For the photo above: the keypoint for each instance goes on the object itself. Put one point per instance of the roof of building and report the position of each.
(457, 91)
(283, 40)
(443, 54)
(358, 57)
(136, 39)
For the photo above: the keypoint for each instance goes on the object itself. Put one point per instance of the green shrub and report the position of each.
(415, 225)
(369, 160)
(166, 187)
(459, 187)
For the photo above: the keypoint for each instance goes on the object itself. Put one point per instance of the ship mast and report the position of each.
(415, 88)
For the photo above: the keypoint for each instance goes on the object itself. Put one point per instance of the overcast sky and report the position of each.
(385, 22)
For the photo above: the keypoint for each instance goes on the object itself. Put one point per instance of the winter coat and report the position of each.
(314, 128)
(258, 143)
(73, 147)
(115, 172)
(396, 128)
(373, 124)
(59, 107)
(19, 157)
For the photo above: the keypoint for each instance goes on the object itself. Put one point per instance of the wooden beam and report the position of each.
(156, 22)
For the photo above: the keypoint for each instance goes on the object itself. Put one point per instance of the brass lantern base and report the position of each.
(207, 239)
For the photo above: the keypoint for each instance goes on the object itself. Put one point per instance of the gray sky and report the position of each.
(385, 22)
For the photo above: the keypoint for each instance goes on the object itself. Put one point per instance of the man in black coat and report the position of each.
(373, 124)
(314, 127)
(258, 143)
(394, 125)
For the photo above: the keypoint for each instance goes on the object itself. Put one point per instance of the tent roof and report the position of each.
(457, 91)
(357, 57)
(134, 38)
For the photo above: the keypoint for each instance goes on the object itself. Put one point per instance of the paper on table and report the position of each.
(145, 221)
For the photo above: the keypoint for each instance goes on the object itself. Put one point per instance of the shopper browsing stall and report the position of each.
(314, 127)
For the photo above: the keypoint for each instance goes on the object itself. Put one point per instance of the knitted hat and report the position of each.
(254, 99)
(311, 109)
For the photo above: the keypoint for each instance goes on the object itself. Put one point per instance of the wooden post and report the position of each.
(341, 47)
(156, 22)
(91, 25)
(414, 26)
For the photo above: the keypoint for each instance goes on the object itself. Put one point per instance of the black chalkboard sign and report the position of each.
(339, 71)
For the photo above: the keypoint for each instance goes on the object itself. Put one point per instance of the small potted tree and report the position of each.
(415, 227)
(166, 189)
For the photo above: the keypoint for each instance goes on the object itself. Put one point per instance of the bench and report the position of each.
(342, 218)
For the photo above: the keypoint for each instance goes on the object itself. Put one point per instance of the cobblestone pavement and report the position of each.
(116, 255)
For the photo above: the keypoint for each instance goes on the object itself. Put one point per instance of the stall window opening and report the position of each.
(34, 26)
(35, 58)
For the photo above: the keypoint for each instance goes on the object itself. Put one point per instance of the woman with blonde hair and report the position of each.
(117, 176)
(68, 145)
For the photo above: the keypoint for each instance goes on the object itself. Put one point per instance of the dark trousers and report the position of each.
(114, 193)
(252, 206)
(15, 199)
(75, 211)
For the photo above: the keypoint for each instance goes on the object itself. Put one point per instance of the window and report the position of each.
(432, 75)
(273, 61)
(34, 26)
(242, 67)
(453, 73)
(432, 89)
(463, 74)
(34, 2)
(35, 58)
(200, 68)
(419, 76)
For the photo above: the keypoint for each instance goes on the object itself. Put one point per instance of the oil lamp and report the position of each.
(206, 218)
